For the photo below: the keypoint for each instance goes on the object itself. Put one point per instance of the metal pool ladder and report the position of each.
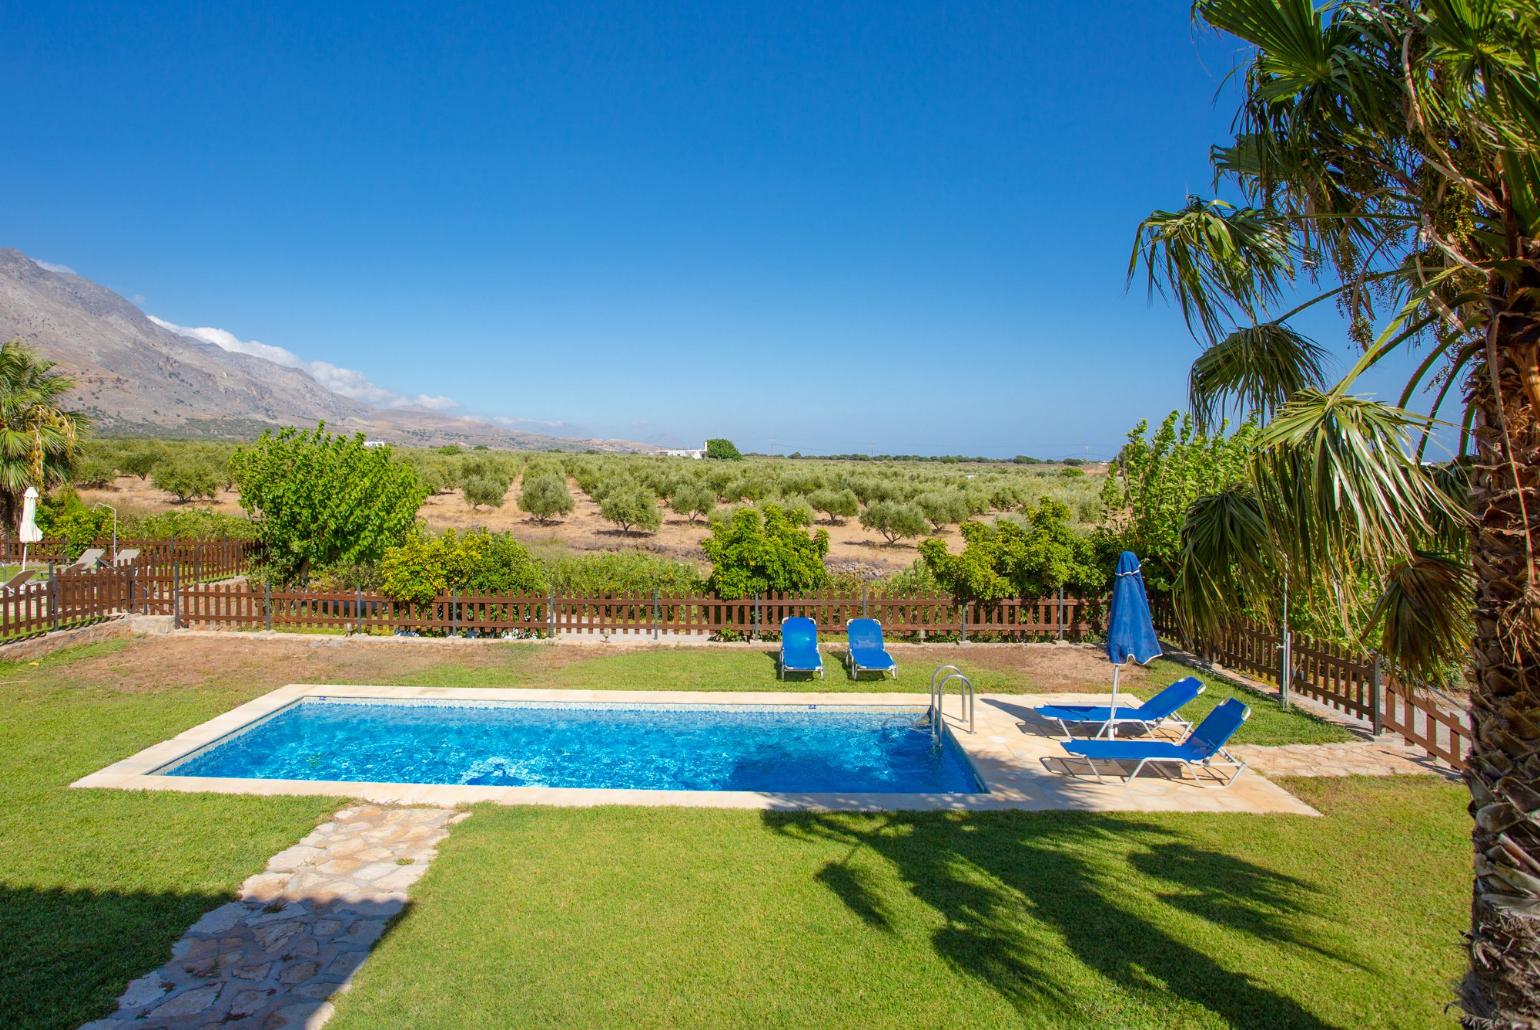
(938, 682)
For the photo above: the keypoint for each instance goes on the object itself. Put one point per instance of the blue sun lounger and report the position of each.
(799, 647)
(1204, 746)
(866, 651)
(1150, 715)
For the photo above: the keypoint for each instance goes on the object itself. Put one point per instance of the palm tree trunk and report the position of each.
(1502, 987)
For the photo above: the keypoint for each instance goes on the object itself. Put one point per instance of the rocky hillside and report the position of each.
(136, 377)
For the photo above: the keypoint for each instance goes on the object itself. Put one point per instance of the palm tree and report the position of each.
(1386, 157)
(38, 439)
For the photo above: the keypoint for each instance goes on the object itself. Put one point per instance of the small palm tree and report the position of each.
(1387, 158)
(38, 438)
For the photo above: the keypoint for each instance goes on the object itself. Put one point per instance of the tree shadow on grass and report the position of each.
(65, 955)
(1016, 889)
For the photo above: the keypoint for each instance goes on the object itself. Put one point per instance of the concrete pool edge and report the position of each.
(1007, 756)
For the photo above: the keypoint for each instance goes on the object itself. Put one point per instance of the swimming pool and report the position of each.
(817, 749)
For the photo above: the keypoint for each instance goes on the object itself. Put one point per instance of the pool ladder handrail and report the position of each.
(938, 683)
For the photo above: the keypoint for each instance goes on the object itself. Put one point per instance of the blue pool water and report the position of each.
(781, 749)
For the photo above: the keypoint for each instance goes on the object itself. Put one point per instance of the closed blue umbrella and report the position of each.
(1130, 629)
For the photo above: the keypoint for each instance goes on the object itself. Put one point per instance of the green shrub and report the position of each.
(93, 473)
(187, 478)
(1029, 556)
(189, 524)
(942, 509)
(545, 496)
(623, 573)
(140, 461)
(722, 450)
(64, 517)
(632, 508)
(760, 550)
(321, 500)
(423, 567)
(895, 520)
(692, 500)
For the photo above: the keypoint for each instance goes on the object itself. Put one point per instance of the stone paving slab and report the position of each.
(1384, 756)
(302, 926)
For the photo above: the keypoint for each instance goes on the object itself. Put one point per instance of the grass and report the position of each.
(704, 917)
(96, 885)
(718, 918)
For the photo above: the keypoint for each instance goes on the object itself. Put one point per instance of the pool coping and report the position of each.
(1009, 755)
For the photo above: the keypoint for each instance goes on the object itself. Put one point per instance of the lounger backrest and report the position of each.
(126, 556)
(1218, 727)
(799, 633)
(18, 581)
(864, 633)
(1169, 700)
(89, 557)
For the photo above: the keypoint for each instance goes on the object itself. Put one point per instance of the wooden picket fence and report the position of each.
(1349, 681)
(197, 559)
(249, 606)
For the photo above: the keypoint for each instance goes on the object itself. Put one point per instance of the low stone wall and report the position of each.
(115, 628)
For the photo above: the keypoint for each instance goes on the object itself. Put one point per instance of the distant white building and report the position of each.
(376, 443)
(697, 453)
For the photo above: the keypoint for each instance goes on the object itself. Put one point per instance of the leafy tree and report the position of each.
(545, 496)
(1387, 158)
(942, 509)
(39, 439)
(1028, 556)
(692, 500)
(722, 450)
(423, 567)
(140, 461)
(836, 505)
(483, 491)
(1154, 480)
(759, 550)
(631, 508)
(64, 517)
(187, 477)
(93, 473)
(895, 520)
(320, 499)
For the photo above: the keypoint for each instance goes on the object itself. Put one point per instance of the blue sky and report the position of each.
(818, 227)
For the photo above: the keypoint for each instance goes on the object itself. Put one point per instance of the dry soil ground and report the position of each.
(851, 547)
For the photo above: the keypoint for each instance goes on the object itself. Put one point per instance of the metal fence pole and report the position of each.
(267, 606)
(550, 613)
(865, 590)
(1286, 665)
(176, 594)
(654, 613)
(53, 596)
(358, 609)
(1059, 617)
(454, 610)
(1377, 697)
(754, 626)
(965, 622)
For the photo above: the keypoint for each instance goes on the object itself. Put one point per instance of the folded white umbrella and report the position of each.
(28, 533)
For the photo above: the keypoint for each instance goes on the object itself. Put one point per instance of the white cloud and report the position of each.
(49, 266)
(348, 382)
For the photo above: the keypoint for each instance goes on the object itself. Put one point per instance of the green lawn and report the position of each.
(669, 917)
(663, 917)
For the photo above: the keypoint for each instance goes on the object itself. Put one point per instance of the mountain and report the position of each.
(136, 377)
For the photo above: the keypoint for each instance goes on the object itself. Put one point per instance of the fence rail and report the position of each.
(1334, 675)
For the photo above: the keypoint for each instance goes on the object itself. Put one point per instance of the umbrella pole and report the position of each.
(1112, 724)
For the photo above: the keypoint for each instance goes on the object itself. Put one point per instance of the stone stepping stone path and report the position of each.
(299, 931)
(1385, 756)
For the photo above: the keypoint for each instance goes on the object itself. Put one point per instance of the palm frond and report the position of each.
(1423, 618)
(1225, 541)
(1217, 260)
(1257, 369)
(1340, 488)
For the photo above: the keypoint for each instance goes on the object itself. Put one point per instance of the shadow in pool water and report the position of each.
(1015, 889)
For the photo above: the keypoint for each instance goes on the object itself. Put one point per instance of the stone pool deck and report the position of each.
(1016, 755)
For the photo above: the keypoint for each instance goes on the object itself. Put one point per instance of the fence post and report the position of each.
(133, 579)
(654, 613)
(53, 596)
(267, 606)
(454, 611)
(754, 627)
(1377, 697)
(864, 591)
(550, 612)
(358, 609)
(197, 561)
(1059, 616)
(965, 621)
(176, 594)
